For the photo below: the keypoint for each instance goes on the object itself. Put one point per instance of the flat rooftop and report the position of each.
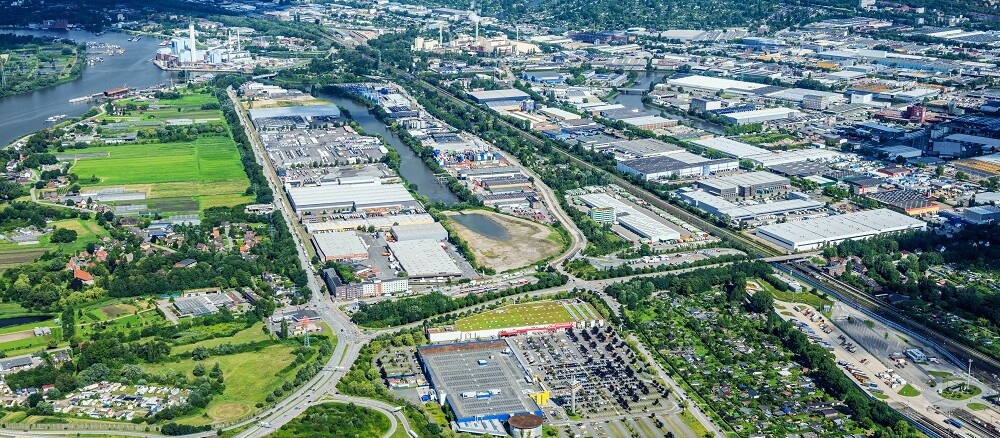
(424, 258)
(840, 227)
(454, 369)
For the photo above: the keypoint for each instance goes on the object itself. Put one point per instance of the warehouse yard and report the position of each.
(504, 242)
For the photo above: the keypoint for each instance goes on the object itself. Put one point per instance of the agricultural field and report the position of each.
(205, 173)
(529, 314)
(183, 159)
(87, 231)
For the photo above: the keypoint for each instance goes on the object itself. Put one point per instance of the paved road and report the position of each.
(350, 339)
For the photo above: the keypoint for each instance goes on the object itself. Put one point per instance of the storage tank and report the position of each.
(525, 426)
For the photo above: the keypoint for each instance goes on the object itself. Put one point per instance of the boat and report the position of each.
(54, 119)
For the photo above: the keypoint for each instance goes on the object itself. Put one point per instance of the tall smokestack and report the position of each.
(194, 50)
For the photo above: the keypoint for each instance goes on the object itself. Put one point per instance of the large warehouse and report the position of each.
(708, 83)
(480, 381)
(632, 219)
(811, 234)
(746, 185)
(489, 96)
(761, 115)
(271, 119)
(428, 231)
(373, 197)
(733, 148)
(678, 164)
(762, 212)
(424, 259)
(337, 246)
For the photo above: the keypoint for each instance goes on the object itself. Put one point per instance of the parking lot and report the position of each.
(612, 381)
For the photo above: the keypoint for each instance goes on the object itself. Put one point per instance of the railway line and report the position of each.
(759, 249)
(929, 426)
(984, 364)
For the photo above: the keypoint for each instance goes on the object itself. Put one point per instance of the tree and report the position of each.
(761, 301)
(283, 332)
(939, 171)
(34, 399)
(63, 235)
(199, 370)
(199, 353)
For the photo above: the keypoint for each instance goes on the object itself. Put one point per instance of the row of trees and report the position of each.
(406, 310)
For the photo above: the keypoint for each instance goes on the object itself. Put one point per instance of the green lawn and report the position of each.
(254, 333)
(794, 297)
(908, 391)
(250, 377)
(519, 315)
(175, 176)
(961, 392)
(976, 406)
(941, 374)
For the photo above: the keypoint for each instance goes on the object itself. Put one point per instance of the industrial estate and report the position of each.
(527, 219)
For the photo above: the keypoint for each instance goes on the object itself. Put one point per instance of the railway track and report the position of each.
(929, 426)
(761, 250)
(984, 364)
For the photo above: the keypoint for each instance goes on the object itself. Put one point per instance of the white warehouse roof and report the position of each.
(424, 258)
(340, 245)
(731, 147)
(714, 84)
(815, 233)
(632, 219)
(348, 196)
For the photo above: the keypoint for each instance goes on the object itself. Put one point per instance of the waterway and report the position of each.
(26, 113)
(635, 101)
(411, 166)
(18, 320)
(482, 225)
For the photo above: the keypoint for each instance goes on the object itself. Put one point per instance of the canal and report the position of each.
(411, 166)
(635, 101)
(26, 113)
(18, 320)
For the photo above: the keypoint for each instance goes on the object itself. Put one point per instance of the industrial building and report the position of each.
(746, 185)
(733, 148)
(494, 96)
(481, 382)
(338, 246)
(759, 212)
(982, 215)
(371, 288)
(680, 165)
(816, 233)
(424, 259)
(761, 115)
(297, 117)
(427, 231)
(907, 201)
(646, 147)
(371, 197)
(650, 122)
(631, 218)
(603, 215)
(708, 83)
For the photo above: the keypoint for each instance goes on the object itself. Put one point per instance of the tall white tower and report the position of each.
(194, 50)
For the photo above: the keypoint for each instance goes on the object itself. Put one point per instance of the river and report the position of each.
(411, 166)
(26, 113)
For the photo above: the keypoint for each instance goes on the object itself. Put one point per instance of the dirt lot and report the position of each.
(525, 242)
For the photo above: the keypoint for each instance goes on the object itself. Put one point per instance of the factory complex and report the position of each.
(812, 234)
(635, 221)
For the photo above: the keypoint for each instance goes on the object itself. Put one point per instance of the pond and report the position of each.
(482, 225)
(18, 320)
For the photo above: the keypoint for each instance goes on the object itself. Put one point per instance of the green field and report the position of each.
(250, 377)
(177, 177)
(527, 314)
(254, 333)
